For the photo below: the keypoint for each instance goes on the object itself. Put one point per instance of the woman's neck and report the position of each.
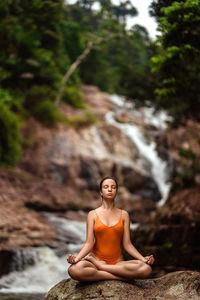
(107, 205)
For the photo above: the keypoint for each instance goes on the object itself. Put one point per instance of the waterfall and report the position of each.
(50, 265)
(46, 266)
(146, 149)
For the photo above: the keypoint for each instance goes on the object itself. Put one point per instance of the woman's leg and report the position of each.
(126, 269)
(86, 271)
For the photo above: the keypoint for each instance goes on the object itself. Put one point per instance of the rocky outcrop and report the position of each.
(172, 234)
(19, 225)
(173, 230)
(173, 286)
(60, 170)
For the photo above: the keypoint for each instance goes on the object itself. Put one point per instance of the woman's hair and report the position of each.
(107, 177)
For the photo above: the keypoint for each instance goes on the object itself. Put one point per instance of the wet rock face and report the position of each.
(141, 185)
(14, 260)
(175, 247)
(60, 171)
(172, 234)
(88, 173)
(173, 286)
(20, 226)
(6, 258)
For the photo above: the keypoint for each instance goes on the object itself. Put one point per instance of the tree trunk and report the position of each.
(76, 63)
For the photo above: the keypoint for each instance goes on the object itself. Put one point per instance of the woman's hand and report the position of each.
(149, 260)
(72, 259)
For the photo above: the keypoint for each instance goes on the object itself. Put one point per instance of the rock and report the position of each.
(174, 243)
(140, 210)
(98, 101)
(19, 225)
(60, 171)
(6, 260)
(172, 234)
(141, 185)
(75, 215)
(123, 117)
(183, 285)
(197, 179)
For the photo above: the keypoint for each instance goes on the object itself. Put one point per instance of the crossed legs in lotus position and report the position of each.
(91, 269)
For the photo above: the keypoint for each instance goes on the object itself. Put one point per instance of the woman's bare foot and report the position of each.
(95, 262)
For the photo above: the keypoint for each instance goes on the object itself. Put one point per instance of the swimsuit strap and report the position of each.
(96, 215)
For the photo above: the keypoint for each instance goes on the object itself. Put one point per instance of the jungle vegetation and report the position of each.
(40, 43)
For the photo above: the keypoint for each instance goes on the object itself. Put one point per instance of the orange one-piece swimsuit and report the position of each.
(108, 239)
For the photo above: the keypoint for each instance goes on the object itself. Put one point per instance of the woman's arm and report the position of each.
(88, 245)
(128, 246)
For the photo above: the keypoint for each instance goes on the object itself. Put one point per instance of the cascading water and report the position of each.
(147, 151)
(49, 265)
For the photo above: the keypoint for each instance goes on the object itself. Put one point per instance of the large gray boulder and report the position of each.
(184, 285)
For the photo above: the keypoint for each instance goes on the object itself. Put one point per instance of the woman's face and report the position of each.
(109, 189)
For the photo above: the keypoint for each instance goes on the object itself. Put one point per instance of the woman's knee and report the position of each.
(137, 266)
(73, 272)
(147, 270)
(144, 269)
(78, 271)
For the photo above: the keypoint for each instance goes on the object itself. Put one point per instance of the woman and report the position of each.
(107, 227)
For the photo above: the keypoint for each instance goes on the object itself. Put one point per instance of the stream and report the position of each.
(50, 265)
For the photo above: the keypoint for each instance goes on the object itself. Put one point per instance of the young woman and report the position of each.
(107, 227)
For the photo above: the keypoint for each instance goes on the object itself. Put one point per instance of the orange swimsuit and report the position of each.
(108, 239)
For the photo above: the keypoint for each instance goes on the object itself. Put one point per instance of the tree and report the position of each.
(156, 6)
(178, 63)
(136, 81)
(123, 10)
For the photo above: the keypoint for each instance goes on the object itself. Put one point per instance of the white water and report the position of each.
(49, 268)
(146, 149)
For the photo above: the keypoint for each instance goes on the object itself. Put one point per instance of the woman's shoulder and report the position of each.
(91, 217)
(124, 211)
(125, 214)
(92, 214)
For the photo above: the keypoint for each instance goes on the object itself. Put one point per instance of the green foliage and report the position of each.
(178, 60)
(73, 96)
(167, 245)
(10, 140)
(136, 81)
(47, 113)
(156, 7)
(72, 38)
(30, 39)
(188, 154)
(5, 97)
(39, 42)
(86, 119)
(122, 64)
(97, 70)
(37, 94)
